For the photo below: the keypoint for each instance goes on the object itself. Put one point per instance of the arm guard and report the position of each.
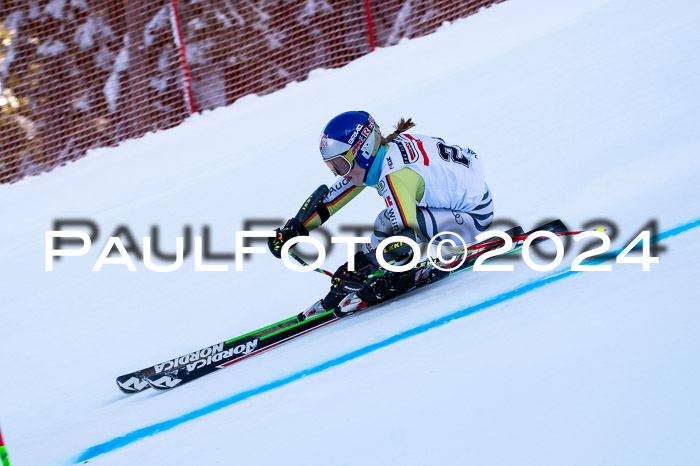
(340, 193)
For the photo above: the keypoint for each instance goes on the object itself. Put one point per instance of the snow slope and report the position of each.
(581, 111)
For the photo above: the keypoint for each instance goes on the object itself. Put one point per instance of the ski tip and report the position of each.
(131, 384)
(163, 382)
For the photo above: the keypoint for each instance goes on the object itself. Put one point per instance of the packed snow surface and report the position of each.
(581, 110)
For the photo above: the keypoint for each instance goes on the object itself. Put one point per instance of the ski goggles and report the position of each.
(338, 156)
(340, 164)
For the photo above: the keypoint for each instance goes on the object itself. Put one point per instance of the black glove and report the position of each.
(345, 282)
(291, 229)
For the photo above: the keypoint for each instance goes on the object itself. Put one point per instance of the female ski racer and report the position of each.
(428, 186)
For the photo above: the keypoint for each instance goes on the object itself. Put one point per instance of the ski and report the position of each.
(134, 382)
(253, 344)
(288, 329)
(241, 346)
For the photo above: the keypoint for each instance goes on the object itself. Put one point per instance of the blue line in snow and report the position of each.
(139, 434)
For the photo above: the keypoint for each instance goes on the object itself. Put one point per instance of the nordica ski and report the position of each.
(242, 346)
(247, 346)
(288, 329)
(135, 382)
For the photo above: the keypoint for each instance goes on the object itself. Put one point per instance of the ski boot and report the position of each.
(389, 284)
(315, 309)
(350, 304)
(344, 283)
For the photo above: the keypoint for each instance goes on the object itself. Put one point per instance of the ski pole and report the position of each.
(303, 262)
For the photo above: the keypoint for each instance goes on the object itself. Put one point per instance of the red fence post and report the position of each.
(177, 33)
(370, 31)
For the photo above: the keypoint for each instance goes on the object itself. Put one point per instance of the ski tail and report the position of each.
(555, 226)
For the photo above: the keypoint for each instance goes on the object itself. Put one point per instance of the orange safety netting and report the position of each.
(81, 74)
